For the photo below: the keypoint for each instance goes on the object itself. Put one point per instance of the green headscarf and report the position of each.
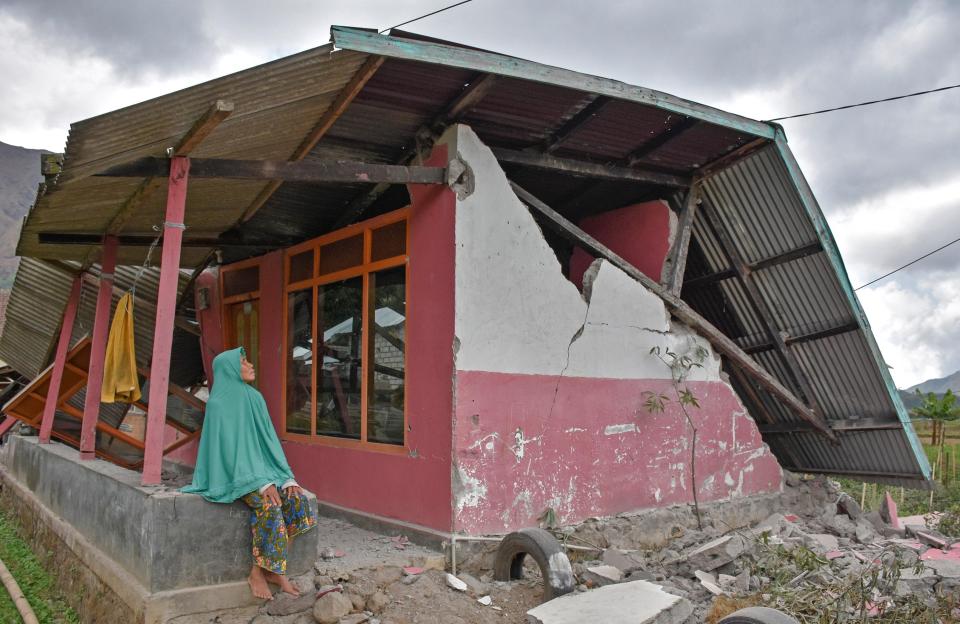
(239, 449)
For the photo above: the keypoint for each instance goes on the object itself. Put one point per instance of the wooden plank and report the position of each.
(677, 258)
(423, 141)
(848, 424)
(101, 426)
(490, 62)
(323, 125)
(589, 169)
(788, 256)
(801, 338)
(207, 123)
(657, 142)
(175, 390)
(758, 302)
(60, 360)
(678, 308)
(718, 165)
(561, 134)
(135, 240)
(312, 171)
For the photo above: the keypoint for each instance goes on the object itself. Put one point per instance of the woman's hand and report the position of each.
(294, 490)
(272, 495)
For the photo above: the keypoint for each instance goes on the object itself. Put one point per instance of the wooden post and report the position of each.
(7, 425)
(98, 348)
(166, 310)
(56, 375)
(681, 244)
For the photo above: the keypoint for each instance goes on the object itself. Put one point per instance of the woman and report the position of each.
(240, 458)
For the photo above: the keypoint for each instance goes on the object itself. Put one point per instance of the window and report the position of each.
(346, 310)
(240, 285)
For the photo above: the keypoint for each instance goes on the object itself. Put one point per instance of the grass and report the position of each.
(36, 584)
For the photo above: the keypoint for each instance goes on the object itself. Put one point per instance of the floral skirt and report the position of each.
(273, 527)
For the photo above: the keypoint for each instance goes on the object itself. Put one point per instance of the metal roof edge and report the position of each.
(825, 235)
(348, 38)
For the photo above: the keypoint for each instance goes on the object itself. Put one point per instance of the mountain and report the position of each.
(937, 386)
(19, 176)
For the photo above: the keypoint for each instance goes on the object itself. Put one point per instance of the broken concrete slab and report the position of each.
(823, 541)
(912, 582)
(623, 560)
(602, 575)
(636, 602)
(456, 583)
(933, 538)
(848, 506)
(716, 553)
(888, 511)
(709, 582)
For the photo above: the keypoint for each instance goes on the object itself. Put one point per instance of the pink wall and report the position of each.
(639, 233)
(415, 486)
(586, 447)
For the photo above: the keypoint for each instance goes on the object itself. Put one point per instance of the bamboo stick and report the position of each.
(19, 600)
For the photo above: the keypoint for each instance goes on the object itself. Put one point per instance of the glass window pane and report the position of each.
(389, 241)
(389, 294)
(301, 266)
(299, 360)
(341, 255)
(340, 378)
(241, 281)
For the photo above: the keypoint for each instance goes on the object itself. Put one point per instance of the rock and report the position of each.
(456, 583)
(716, 553)
(636, 602)
(355, 618)
(874, 518)
(725, 580)
(709, 582)
(839, 524)
(285, 604)
(474, 586)
(625, 561)
(329, 608)
(743, 581)
(328, 553)
(847, 505)
(358, 601)
(823, 542)
(386, 575)
(430, 562)
(945, 568)
(912, 583)
(485, 601)
(378, 602)
(602, 575)
(865, 533)
(410, 580)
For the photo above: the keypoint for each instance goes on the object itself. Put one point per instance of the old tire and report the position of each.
(545, 550)
(758, 615)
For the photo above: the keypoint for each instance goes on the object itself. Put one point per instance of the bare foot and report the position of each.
(282, 581)
(258, 584)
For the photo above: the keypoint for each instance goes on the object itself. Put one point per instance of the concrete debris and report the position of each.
(485, 600)
(847, 505)
(475, 587)
(888, 511)
(456, 583)
(933, 538)
(716, 553)
(709, 581)
(329, 608)
(354, 618)
(635, 602)
(598, 576)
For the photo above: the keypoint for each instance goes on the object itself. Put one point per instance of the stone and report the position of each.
(358, 601)
(743, 581)
(475, 587)
(456, 583)
(911, 582)
(709, 582)
(625, 561)
(945, 568)
(876, 520)
(725, 580)
(485, 601)
(602, 575)
(410, 580)
(823, 541)
(847, 505)
(378, 602)
(286, 604)
(430, 562)
(329, 608)
(865, 533)
(386, 575)
(636, 602)
(355, 618)
(716, 553)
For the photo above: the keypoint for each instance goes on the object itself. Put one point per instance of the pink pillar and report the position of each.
(166, 308)
(56, 375)
(7, 424)
(98, 348)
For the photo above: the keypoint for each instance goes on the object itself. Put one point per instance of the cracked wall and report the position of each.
(549, 382)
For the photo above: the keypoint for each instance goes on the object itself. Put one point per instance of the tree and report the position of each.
(939, 410)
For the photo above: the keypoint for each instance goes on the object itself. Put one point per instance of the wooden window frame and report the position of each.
(364, 270)
(227, 329)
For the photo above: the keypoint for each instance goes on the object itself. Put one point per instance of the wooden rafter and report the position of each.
(677, 258)
(323, 125)
(794, 254)
(423, 140)
(836, 330)
(201, 129)
(679, 309)
(583, 116)
(758, 302)
(657, 142)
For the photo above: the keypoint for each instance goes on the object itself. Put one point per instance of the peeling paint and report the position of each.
(617, 429)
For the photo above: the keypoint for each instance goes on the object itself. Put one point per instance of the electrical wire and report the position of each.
(417, 19)
(926, 255)
(889, 99)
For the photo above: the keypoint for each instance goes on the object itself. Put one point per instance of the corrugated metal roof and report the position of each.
(763, 200)
(765, 213)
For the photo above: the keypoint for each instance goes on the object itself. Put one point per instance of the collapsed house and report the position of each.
(477, 290)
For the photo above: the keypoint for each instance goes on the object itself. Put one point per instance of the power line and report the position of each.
(889, 99)
(926, 255)
(416, 19)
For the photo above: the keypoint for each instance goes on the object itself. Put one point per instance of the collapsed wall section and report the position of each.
(551, 384)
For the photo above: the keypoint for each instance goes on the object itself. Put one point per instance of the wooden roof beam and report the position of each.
(201, 129)
(654, 144)
(588, 169)
(770, 261)
(582, 117)
(679, 309)
(323, 125)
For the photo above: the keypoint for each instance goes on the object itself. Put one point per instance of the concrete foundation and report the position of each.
(149, 553)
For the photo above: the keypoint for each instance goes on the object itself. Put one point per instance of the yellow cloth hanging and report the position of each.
(120, 381)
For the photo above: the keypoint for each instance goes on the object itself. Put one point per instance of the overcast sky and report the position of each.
(887, 176)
